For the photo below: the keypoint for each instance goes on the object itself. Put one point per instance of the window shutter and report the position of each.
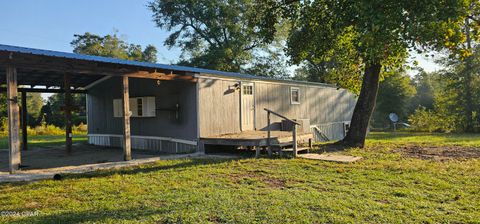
(117, 108)
(149, 106)
(134, 107)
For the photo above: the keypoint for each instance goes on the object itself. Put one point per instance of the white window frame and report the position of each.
(249, 86)
(292, 89)
(148, 107)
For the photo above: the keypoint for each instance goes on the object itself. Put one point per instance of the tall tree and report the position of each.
(380, 31)
(218, 34)
(112, 46)
(459, 94)
(465, 68)
(424, 87)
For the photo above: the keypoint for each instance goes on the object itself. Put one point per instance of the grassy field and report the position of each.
(44, 140)
(384, 187)
(438, 139)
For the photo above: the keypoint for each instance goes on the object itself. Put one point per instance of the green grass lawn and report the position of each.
(45, 140)
(439, 139)
(384, 187)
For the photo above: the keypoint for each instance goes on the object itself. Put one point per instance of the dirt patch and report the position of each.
(440, 153)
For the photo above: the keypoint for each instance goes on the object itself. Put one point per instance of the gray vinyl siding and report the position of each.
(219, 107)
(167, 95)
(319, 104)
(326, 107)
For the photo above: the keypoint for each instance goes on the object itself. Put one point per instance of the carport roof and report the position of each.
(127, 65)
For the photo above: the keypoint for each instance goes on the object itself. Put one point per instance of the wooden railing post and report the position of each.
(269, 147)
(294, 133)
(269, 134)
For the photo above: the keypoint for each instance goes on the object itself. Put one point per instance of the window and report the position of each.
(294, 95)
(139, 107)
(247, 90)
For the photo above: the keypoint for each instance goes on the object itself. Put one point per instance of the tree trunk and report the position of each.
(468, 102)
(468, 110)
(364, 107)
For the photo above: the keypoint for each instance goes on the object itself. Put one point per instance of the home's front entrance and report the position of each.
(247, 106)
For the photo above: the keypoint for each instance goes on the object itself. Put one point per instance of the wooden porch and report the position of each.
(255, 138)
(258, 140)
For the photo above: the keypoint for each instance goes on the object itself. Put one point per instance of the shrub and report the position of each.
(43, 129)
(80, 129)
(3, 126)
(47, 130)
(432, 121)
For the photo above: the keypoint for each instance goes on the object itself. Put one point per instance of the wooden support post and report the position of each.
(127, 150)
(310, 145)
(68, 113)
(13, 119)
(24, 121)
(257, 151)
(294, 133)
(269, 147)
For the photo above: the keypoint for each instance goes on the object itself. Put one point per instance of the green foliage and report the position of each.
(34, 105)
(45, 130)
(3, 104)
(52, 112)
(433, 121)
(51, 130)
(341, 65)
(424, 85)
(80, 129)
(460, 94)
(394, 96)
(4, 125)
(112, 46)
(216, 34)
(361, 32)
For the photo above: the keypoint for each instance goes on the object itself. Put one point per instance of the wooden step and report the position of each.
(298, 149)
(282, 144)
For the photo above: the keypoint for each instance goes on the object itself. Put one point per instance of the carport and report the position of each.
(27, 70)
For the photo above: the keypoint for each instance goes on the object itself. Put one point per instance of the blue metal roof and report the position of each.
(199, 71)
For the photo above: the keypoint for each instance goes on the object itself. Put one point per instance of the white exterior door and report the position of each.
(247, 106)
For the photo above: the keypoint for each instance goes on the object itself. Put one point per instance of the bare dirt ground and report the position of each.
(55, 156)
(440, 153)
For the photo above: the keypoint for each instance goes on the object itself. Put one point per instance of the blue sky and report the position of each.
(51, 24)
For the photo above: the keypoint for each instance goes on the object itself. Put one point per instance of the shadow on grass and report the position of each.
(139, 169)
(149, 168)
(96, 216)
(329, 147)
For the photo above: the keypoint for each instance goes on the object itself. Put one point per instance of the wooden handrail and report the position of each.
(294, 132)
(286, 118)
